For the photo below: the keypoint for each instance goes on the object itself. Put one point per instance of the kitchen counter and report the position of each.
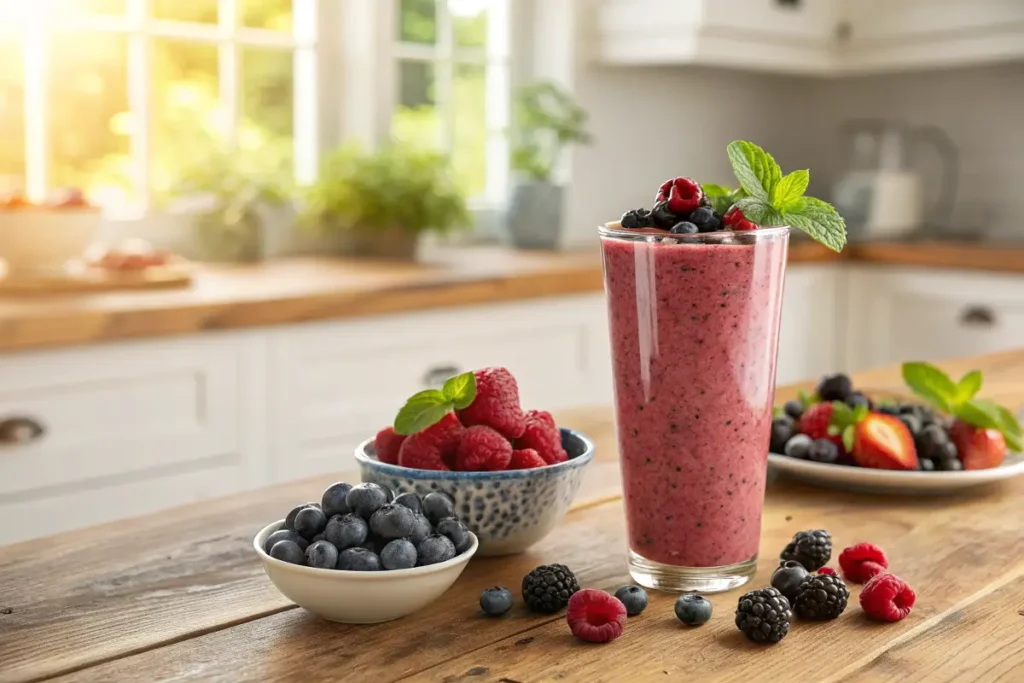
(289, 291)
(181, 596)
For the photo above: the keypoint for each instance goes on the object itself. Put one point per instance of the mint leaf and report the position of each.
(754, 168)
(786, 195)
(759, 211)
(721, 197)
(460, 390)
(1009, 422)
(422, 410)
(842, 413)
(980, 413)
(931, 384)
(818, 219)
(968, 386)
(849, 436)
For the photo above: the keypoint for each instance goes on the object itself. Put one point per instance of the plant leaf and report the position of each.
(759, 211)
(968, 386)
(791, 188)
(979, 412)
(931, 384)
(818, 219)
(721, 197)
(1009, 421)
(460, 389)
(755, 169)
(849, 436)
(422, 410)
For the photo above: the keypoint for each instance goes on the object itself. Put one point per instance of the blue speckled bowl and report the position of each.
(508, 511)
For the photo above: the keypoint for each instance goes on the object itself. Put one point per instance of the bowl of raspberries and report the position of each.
(511, 473)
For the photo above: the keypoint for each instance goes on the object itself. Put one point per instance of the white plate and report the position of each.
(890, 481)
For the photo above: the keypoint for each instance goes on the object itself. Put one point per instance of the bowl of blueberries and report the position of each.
(363, 555)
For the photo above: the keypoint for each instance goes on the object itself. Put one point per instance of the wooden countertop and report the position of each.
(180, 595)
(288, 291)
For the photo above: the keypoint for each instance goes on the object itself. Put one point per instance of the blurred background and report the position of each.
(236, 234)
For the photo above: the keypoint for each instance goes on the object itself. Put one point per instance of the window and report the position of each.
(453, 87)
(118, 97)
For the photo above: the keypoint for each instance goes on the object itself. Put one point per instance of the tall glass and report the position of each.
(694, 326)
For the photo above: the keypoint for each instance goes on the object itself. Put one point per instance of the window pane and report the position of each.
(267, 102)
(469, 153)
(88, 115)
(188, 119)
(469, 21)
(12, 117)
(204, 11)
(271, 14)
(417, 21)
(416, 120)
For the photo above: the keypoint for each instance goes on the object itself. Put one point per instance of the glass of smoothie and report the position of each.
(694, 323)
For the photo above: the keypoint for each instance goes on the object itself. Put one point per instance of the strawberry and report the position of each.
(875, 440)
(815, 423)
(979, 448)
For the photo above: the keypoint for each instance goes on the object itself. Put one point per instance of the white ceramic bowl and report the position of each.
(38, 240)
(360, 597)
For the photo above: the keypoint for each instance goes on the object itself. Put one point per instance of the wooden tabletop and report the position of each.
(181, 596)
(298, 290)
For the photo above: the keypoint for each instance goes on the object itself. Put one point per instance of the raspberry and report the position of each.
(543, 436)
(482, 450)
(427, 449)
(496, 404)
(887, 597)
(862, 562)
(682, 194)
(526, 459)
(595, 616)
(735, 220)
(814, 423)
(828, 570)
(387, 445)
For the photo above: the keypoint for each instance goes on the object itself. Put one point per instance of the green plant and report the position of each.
(545, 120)
(397, 186)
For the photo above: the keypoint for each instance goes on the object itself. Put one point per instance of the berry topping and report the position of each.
(548, 588)
(496, 601)
(788, 577)
(706, 219)
(634, 598)
(887, 597)
(496, 403)
(684, 228)
(595, 616)
(387, 444)
(822, 596)
(662, 217)
(812, 549)
(682, 195)
(828, 570)
(526, 459)
(543, 436)
(763, 615)
(692, 609)
(862, 562)
(735, 220)
(482, 450)
(427, 449)
(637, 218)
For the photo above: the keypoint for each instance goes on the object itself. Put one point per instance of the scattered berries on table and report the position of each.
(543, 436)
(735, 220)
(692, 609)
(634, 598)
(399, 554)
(812, 549)
(496, 404)
(799, 447)
(482, 449)
(595, 616)
(834, 387)
(862, 562)
(887, 597)
(548, 588)
(821, 596)
(434, 549)
(358, 560)
(788, 577)
(387, 444)
(682, 195)
(684, 228)
(526, 459)
(428, 449)
(438, 505)
(763, 615)
(828, 570)
(496, 601)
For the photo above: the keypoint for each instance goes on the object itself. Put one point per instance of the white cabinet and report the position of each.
(809, 339)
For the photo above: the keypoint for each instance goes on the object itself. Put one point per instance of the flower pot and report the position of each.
(393, 244)
(535, 216)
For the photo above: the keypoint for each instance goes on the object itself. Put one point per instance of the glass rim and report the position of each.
(655, 235)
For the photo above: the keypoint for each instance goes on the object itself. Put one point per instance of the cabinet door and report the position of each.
(809, 340)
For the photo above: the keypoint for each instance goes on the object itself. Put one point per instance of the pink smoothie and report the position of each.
(694, 331)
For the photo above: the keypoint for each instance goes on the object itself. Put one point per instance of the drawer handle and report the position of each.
(980, 316)
(15, 431)
(435, 377)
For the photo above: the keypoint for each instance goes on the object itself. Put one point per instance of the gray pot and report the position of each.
(535, 216)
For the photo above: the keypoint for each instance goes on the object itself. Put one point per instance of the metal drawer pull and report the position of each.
(981, 316)
(19, 430)
(436, 376)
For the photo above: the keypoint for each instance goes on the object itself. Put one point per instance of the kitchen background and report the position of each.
(243, 303)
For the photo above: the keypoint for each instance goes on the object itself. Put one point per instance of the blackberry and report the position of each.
(763, 615)
(822, 596)
(637, 218)
(662, 217)
(548, 588)
(812, 549)
(788, 579)
(835, 387)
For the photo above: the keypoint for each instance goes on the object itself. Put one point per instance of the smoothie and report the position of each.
(694, 330)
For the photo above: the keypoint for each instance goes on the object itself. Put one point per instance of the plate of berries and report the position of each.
(945, 439)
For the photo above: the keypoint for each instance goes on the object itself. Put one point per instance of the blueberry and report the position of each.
(931, 441)
(888, 409)
(289, 521)
(365, 499)
(794, 409)
(333, 501)
(393, 521)
(684, 228)
(705, 219)
(692, 609)
(913, 423)
(782, 432)
(398, 554)
(284, 535)
(288, 551)
(926, 465)
(856, 398)
(437, 506)
(835, 387)
(457, 533)
(823, 450)
(411, 501)
(374, 545)
(496, 601)
(788, 577)
(358, 560)
(433, 549)
(310, 521)
(322, 555)
(949, 451)
(633, 597)
(422, 529)
(346, 531)
(799, 446)
(953, 465)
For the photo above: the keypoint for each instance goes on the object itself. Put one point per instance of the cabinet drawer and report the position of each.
(806, 20)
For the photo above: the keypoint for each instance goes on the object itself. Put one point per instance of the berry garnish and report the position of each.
(763, 615)
(634, 598)
(887, 597)
(595, 616)
(683, 195)
(862, 562)
(812, 549)
(684, 228)
(735, 220)
(496, 601)
(693, 609)
(788, 577)
(548, 588)
(662, 217)
(822, 596)
(637, 218)
(706, 219)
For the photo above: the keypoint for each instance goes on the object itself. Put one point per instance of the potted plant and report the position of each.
(377, 204)
(545, 121)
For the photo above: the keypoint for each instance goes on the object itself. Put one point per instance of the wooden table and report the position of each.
(180, 596)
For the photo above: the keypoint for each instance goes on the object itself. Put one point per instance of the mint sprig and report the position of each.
(959, 400)
(722, 197)
(773, 199)
(429, 406)
(844, 422)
